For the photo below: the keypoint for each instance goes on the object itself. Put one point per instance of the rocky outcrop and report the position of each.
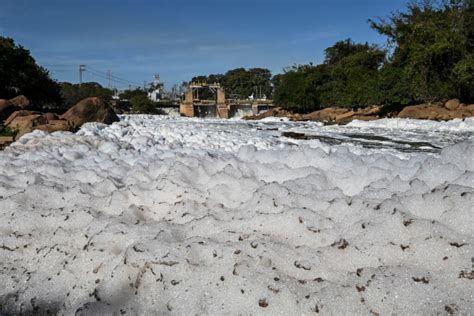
(16, 114)
(450, 110)
(275, 112)
(90, 110)
(434, 112)
(28, 121)
(327, 115)
(342, 115)
(6, 109)
(21, 101)
(56, 126)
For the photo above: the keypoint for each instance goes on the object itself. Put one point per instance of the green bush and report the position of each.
(7, 131)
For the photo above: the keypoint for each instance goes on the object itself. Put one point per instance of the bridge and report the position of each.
(220, 107)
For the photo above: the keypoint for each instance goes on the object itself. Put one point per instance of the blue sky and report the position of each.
(182, 38)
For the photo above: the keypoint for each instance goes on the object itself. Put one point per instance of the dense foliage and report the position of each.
(73, 93)
(19, 74)
(141, 104)
(239, 83)
(130, 93)
(348, 77)
(429, 57)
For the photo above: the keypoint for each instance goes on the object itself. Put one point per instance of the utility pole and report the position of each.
(82, 68)
(109, 77)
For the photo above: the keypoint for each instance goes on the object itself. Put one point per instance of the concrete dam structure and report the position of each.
(220, 107)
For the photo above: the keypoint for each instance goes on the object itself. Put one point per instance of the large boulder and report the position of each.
(327, 114)
(51, 116)
(343, 115)
(21, 101)
(90, 110)
(18, 114)
(363, 114)
(373, 110)
(6, 109)
(435, 112)
(452, 104)
(56, 126)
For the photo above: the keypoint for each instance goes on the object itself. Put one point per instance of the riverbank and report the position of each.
(452, 109)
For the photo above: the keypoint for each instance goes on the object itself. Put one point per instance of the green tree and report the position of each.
(239, 83)
(141, 104)
(349, 77)
(130, 93)
(343, 49)
(297, 88)
(352, 75)
(428, 41)
(19, 74)
(73, 93)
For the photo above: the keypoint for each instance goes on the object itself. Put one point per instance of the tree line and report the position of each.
(429, 56)
(239, 83)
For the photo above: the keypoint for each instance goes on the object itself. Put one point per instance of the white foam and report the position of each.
(165, 215)
(456, 125)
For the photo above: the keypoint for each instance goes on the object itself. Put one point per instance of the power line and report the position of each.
(111, 78)
(115, 77)
(105, 75)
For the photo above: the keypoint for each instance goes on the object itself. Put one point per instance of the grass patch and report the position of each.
(7, 131)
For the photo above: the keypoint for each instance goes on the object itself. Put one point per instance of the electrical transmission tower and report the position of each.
(82, 68)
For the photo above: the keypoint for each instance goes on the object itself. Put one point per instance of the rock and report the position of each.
(51, 116)
(452, 104)
(276, 112)
(90, 110)
(369, 111)
(437, 111)
(26, 124)
(294, 135)
(17, 114)
(56, 126)
(434, 112)
(28, 121)
(424, 112)
(5, 141)
(21, 101)
(6, 109)
(344, 117)
(325, 115)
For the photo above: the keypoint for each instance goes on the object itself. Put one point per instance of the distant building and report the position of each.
(156, 90)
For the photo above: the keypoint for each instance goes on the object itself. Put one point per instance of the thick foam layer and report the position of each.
(156, 215)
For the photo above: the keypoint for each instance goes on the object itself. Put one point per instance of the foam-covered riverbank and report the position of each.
(157, 215)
